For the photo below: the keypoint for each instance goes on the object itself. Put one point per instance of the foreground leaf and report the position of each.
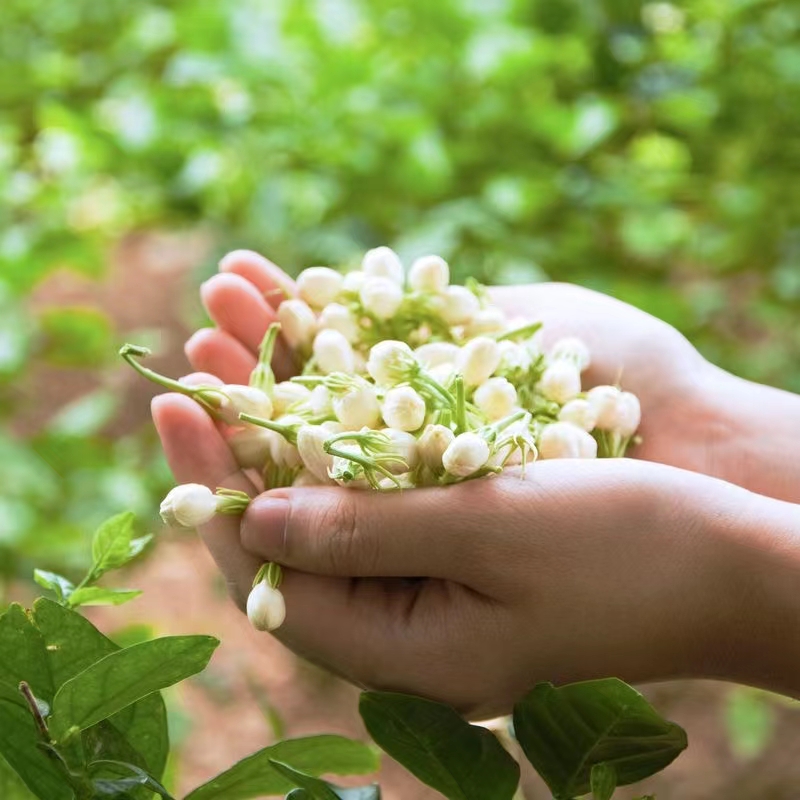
(116, 779)
(255, 776)
(98, 596)
(73, 644)
(314, 788)
(121, 678)
(566, 731)
(431, 740)
(23, 656)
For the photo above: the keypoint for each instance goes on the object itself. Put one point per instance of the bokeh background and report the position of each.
(651, 151)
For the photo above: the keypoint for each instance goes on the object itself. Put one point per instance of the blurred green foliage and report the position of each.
(648, 150)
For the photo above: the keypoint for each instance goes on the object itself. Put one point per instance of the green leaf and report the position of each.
(115, 779)
(121, 678)
(62, 587)
(73, 643)
(566, 731)
(113, 544)
(371, 792)
(749, 721)
(22, 654)
(431, 740)
(19, 746)
(315, 788)
(603, 780)
(99, 596)
(254, 776)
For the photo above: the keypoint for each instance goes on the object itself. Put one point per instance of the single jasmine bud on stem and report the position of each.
(192, 504)
(266, 607)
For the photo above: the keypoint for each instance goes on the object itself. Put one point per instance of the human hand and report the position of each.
(580, 570)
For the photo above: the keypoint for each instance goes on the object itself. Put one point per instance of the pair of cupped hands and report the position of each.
(645, 568)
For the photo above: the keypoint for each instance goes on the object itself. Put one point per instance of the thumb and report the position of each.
(434, 532)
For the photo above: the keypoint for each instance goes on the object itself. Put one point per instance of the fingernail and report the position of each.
(264, 526)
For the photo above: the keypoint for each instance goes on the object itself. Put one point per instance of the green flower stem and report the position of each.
(460, 404)
(288, 432)
(424, 380)
(262, 376)
(269, 572)
(33, 706)
(309, 380)
(523, 331)
(368, 465)
(232, 501)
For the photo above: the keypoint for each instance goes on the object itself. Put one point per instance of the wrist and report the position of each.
(754, 620)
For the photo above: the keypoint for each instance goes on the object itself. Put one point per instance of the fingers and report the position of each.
(237, 307)
(273, 283)
(215, 351)
(426, 532)
(197, 453)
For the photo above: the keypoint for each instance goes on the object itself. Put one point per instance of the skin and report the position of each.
(681, 575)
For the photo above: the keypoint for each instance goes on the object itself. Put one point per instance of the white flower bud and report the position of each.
(496, 398)
(435, 353)
(353, 281)
(508, 451)
(188, 506)
(286, 393)
(319, 286)
(251, 446)
(266, 608)
(383, 262)
(358, 408)
(565, 440)
(513, 356)
(390, 362)
(339, 318)
(404, 445)
(604, 399)
(579, 412)
(442, 373)
(534, 344)
(429, 274)
(243, 400)
(298, 323)
(560, 382)
(434, 441)
(310, 441)
(573, 350)
(319, 402)
(403, 408)
(465, 455)
(381, 297)
(628, 415)
(333, 353)
(283, 453)
(459, 305)
(333, 426)
(487, 320)
(477, 360)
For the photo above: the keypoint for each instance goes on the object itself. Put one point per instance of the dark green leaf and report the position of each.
(114, 545)
(121, 678)
(315, 788)
(115, 779)
(603, 780)
(73, 643)
(22, 654)
(254, 776)
(62, 587)
(565, 731)
(99, 596)
(462, 761)
(19, 740)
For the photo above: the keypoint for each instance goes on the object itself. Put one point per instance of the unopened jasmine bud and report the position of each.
(442, 373)
(560, 382)
(243, 400)
(333, 353)
(579, 412)
(429, 274)
(381, 297)
(477, 360)
(310, 441)
(435, 353)
(266, 607)
(496, 398)
(403, 445)
(319, 286)
(434, 441)
(319, 402)
(459, 305)
(465, 455)
(339, 318)
(353, 281)
(286, 394)
(565, 440)
(604, 400)
(383, 262)
(251, 446)
(298, 323)
(358, 408)
(487, 320)
(513, 356)
(628, 414)
(284, 454)
(403, 408)
(188, 506)
(573, 350)
(391, 362)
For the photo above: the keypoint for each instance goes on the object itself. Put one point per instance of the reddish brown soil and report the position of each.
(224, 707)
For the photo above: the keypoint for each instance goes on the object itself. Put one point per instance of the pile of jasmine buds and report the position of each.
(405, 381)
